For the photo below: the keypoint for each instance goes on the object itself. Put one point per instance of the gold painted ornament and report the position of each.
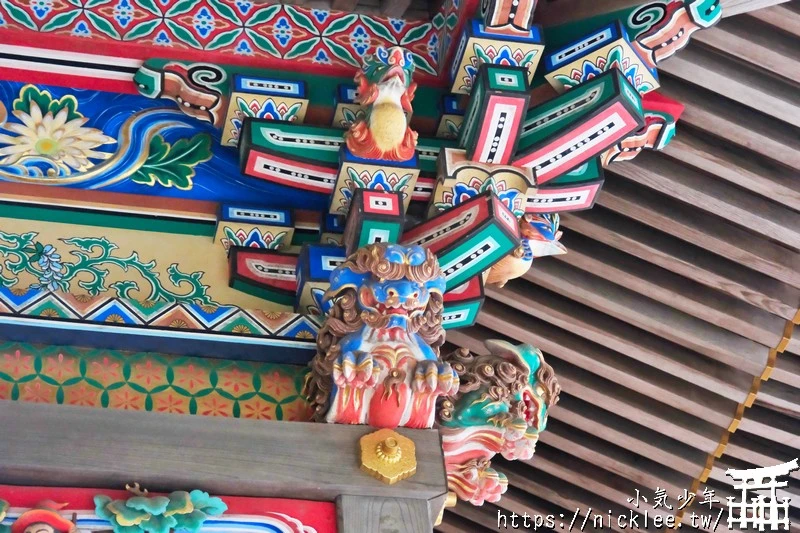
(388, 456)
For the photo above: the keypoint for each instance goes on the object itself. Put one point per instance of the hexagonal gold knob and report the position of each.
(388, 456)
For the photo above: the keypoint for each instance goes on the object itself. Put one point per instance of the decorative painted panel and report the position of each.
(182, 329)
(225, 513)
(147, 381)
(243, 30)
(128, 144)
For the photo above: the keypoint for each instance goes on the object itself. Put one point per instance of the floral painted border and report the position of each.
(238, 27)
(153, 382)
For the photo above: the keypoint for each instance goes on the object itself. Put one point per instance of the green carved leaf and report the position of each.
(353, 175)
(223, 39)
(154, 505)
(61, 20)
(103, 25)
(31, 94)
(263, 15)
(378, 28)
(173, 165)
(190, 522)
(89, 4)
(421, 64)
(301, 19)
(262, 42)
(159, 524)
(415, 34)
(183, 34)
(20, 16)
(179, 503)
(141, 30)
(210, 505)
(339, 25)
(149, 5)
(302, 48)
(225, 11)
(181, 7)
(124, 515)
(341, 52)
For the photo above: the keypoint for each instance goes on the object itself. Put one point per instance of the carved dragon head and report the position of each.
(388, 70)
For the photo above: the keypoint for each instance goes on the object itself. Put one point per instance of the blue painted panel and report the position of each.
(135, 126)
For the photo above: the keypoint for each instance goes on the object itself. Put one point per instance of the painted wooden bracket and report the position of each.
(575, 190)
(567, 131)
(601, 50)
(460, 179)
(266, 274)
(469, 238)
(314, 268)
(462, 304)
(479, 45)
(496, 110)
(253, 226)
(375, 216)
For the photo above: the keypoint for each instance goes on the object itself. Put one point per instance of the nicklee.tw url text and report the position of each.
(592, 520)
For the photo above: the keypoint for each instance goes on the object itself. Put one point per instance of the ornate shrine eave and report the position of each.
(97, 46)
(100, 47)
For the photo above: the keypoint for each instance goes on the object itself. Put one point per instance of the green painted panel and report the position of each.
(589, 171)
(391, 228)
(491, 231)
(566, 109)
(282, 137)
(108, 220)
(506, 79)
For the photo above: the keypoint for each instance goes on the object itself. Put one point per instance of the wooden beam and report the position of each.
(732, 80)
(787, 369)
(745, 128)
(659, 319)
(771, 425)
(673, 179)
(737, 7)
(565, 349)
(757, 44)
(683, 294)
(102, 448)
(615, 335)
(701, 229)
(369, 514)
(687, 260)
(637, 438)
(747, 170)
(782, 17)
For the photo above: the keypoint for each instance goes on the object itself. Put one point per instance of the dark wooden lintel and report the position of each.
(54, 445)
